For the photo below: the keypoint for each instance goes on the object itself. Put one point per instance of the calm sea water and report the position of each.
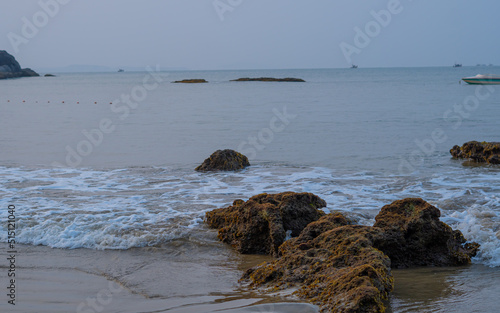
(105, 161)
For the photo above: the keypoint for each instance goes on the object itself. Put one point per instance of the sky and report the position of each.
(250, 34)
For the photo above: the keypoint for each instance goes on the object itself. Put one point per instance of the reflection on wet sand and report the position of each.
(462, 289)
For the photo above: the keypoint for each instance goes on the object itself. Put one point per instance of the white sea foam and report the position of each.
(136, 207)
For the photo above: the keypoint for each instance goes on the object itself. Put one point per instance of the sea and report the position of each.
(99, 169)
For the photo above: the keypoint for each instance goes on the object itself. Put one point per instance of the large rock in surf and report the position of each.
(260, 225)
(481, 152)
(224, 160)
(414, 236)
(10, 68)
(347, 268)
(269, 79)
(331, 264)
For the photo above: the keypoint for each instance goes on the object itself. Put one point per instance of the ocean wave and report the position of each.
(150, 206)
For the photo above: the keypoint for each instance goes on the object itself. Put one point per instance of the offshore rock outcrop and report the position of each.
(339, 266)
(269, 79)
(190, 81)
(260, 225)
(224, 160)
(10, 68)
(481, 152)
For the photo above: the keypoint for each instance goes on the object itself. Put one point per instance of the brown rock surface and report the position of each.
(481, 152)
(346, 268)
(414, 236)
(259, 225)
(339, 270)
(224, 160)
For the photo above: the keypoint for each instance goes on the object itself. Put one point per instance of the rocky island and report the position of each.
(190, 81)
(10, 68)
(269, 79)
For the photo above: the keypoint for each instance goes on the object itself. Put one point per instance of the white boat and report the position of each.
(481, 79)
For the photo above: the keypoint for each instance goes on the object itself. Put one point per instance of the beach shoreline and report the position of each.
(153, 280)
(136, 280)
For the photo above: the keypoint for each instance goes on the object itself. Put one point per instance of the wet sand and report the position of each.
(467, 289)
(185, 277)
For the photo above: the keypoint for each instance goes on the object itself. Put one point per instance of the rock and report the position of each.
(8, 63)
(260, 225)
(190, 81)
(481, 152)
(10, 68)
(414, 236)
(339, 270)
(49, 75)
(268, 79)
(347, 268)
(224, 160)
(325, 223)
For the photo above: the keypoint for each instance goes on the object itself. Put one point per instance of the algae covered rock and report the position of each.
(260, 225)
(414, 236)
(347, 268)
(481, 152)
(339, 269)
(224, 160)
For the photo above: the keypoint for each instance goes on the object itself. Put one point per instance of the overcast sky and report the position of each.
(250, 34)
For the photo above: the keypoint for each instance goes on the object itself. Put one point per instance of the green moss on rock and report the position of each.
(224, 160)
(481, 152)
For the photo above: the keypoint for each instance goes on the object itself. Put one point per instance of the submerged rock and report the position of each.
(224, 160)
(260, 225)
(49, 75)
(10, 68)
(190, 81)
(268, 79)
(347, 268)
(481, 152)
(414, 236)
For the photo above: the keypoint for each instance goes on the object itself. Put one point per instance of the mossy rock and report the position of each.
(480, 152)
(224, 160)
(259, 225)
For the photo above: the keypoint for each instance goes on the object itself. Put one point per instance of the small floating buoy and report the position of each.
(24, 101)
(95, 102)
(77, 102)
(48, 101)
(8, 100)
(63, 102)
(111, 103)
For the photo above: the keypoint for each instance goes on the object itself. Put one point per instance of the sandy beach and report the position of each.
(136, 280)
(162, 280)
